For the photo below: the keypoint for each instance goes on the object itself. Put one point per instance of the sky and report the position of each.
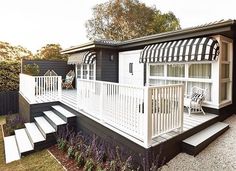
(35, 23)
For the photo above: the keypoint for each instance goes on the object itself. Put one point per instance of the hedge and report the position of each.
(9, 76)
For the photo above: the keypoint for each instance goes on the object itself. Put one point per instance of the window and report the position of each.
(78, 71)
(225, 85)
(131, 68)
(175, 70)
(85, 71)
(188, 74)
(157, 70)
(91, 71)
(200, 71)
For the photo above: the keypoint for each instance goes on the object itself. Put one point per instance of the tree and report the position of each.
(13, 53)
(50, 52)
(127, 19)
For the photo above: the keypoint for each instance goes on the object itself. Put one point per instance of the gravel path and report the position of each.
(219, 155)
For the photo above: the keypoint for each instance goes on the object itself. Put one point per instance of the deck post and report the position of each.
(147, 117)
(101, 100)
(181, 107)
(59, 87)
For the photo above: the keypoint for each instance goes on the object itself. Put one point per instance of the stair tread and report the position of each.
(63, 111)
(23, 141)
(34, 132)
(11, 149)
(45, 125)
(203, 135)
(54, 117)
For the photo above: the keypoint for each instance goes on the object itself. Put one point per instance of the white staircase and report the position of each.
(197, 142)
(36, 135)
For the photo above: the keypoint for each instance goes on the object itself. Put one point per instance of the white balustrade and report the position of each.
(40, 88)
(141, 112)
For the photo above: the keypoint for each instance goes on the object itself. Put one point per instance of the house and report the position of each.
(132, 92)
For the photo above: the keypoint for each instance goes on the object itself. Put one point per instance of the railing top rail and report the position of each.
(118, 84)
(38, 76)
(133, 86)
(166, 86)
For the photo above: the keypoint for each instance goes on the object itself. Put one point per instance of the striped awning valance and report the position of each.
(87, 57)
(196, 49)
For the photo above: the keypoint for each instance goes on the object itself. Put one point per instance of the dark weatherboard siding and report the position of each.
(107, 69)
(60, 67)
(9, 102)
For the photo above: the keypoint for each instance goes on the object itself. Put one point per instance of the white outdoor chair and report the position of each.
(194, 101)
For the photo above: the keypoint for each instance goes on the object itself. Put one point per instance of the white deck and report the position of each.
(11, 149)
(189, 121)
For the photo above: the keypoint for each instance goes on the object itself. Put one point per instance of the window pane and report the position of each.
(156, 82)
(225, 71)
(225, 51)
(175, 70)
(200, 71)
(91, 71)
(224, 91)
(156, 70)
(78, 71)
(202, 85)
(85, 71)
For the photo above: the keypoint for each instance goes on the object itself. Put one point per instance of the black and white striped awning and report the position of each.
(87, 57)
(197, 49)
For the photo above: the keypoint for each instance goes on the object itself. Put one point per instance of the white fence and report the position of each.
(141, 112)
(40, 88)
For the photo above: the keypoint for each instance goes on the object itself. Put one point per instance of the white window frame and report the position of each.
(88, 69)
(215, 79)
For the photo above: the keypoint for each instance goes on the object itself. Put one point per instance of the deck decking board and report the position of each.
(69, 98)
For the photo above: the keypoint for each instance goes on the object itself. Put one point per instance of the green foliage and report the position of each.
(80, 160)
(9, 75)
(13, 53)
(71, 152)
(61, 144)
(50, 52)
(127, 19)
(13, 122)
(89, 165)
(31, 69)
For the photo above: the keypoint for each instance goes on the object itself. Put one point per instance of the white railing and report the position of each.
(140, 112)
(40, 88)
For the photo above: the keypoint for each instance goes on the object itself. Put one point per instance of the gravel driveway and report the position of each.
(219, 155)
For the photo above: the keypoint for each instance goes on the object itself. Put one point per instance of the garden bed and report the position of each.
(61, 156)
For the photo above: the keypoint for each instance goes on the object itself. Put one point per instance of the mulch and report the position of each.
(61, 156)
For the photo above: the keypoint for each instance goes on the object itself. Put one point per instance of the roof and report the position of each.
(217, 27)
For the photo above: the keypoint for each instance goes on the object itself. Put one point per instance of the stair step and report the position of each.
(54, 118)
(196, 143)
(44, 125)
(34, 133)
(23, 141)
(63, 111)
(11, 149)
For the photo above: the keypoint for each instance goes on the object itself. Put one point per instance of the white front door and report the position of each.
(130, 70)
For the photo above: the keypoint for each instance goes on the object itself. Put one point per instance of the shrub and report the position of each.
(71, 152)
(9, 76)
(80, 160)
(61, 144)
(13, 122)
(31, 69)
(90, 165)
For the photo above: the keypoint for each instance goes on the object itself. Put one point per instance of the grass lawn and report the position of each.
(41, 160)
